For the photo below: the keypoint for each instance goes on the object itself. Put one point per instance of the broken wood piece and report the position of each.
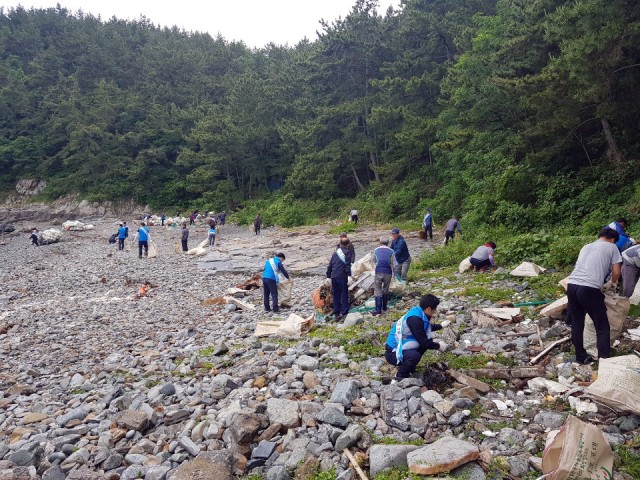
(543, 353)
(352, 459)
(235, 291)
(493, 317)
(469, 381)
(539, 336)
(239, 303)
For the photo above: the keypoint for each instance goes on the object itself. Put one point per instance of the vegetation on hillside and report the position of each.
(520, 113)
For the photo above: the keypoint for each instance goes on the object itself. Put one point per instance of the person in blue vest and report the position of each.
(403, 259)
(382, 259)
(339, 271)
(412, 335)
(143, 240)
(624, 240)
(122, 234)
(270, 280)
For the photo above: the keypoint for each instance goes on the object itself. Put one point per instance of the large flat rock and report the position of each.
(443, 455)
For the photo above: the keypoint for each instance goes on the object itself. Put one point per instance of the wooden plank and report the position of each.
(543, 353)
(469, 381)
(239, 303)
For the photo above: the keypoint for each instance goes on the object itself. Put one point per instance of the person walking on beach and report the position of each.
(35, 237)
(122, 232)
(339, 271)
(382, 258)
(427, 223)
(212, 236)
(143, 240)
(257, 224)
(184, 237)
(401, 250)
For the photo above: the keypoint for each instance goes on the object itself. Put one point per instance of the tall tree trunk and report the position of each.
(358, 182)
(374, 164)
(614, 150)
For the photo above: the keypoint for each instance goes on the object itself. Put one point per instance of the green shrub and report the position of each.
(347, 227)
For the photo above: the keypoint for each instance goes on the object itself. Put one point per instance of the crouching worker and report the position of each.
(482, 258)
(411, 337)
(271, 279)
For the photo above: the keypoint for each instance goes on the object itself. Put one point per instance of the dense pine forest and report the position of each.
(521, 113)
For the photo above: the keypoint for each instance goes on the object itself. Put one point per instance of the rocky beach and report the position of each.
(119, 367)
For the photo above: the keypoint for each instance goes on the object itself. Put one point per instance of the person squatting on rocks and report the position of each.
(350, 246)
(382, 259)
(624, 240)
(212, 236)
(257, 224)
(354, 216)
(450, 230)
(271, 279)
(143, 240)
(339, 271)
(184, 237)
(630, 269)
(401, 251)
(411, 336)
(427, 223)
(121, 236)
(482, 257)
(584, 292)
(35, 237)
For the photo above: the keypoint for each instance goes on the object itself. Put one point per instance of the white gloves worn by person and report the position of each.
(443, 346)
(445, 324)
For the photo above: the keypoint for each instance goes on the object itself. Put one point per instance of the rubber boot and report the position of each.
(385, 299)
(378, 310)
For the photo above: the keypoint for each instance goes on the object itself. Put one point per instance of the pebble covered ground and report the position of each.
(100, 380)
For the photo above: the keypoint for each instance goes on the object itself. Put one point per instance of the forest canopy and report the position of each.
(523, 113)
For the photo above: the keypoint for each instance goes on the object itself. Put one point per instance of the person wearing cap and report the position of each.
(412, 335)
(270, 280)
(584, 292)
(482, 258)
(382, 259)
(350, 247)
(401, 251)
(620, 225)
(450, 230)
(630, 269)
(339, 271)
(427, 223)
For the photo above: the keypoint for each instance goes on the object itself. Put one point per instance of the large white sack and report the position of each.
(362, 265)
(284, 293)
(465, 265)
(527, 269)
(51, 235)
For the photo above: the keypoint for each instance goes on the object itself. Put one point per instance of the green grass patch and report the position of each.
(493, 294)
(634, 311)
(360, 342)
(397, 473)
(348, 227)
(394, 441)
(627, 460)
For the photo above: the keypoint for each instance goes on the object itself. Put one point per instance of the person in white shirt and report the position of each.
(354, 216)
(584, 292)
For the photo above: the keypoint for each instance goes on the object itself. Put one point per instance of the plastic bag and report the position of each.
(397, 286)
(465, 265)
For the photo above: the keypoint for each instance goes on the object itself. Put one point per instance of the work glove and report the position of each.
(445, 324)
(443, 346)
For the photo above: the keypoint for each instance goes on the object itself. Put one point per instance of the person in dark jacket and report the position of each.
(450, 230)
(411, 336)
(403, 259)
(184, 237)
(350, 247)
(270, 280)
(339, 271)
(427, 224)
(35, 237)
(257, 224)
(382, 259)
(162, 219)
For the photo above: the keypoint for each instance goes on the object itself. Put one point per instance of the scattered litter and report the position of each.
(527, 269)
(143, 291)
(76, 226)
(555, 309)
(295, 326)
(618, 383)
(582, 406)
(215, 301)
(540, 384)
(492, 317)
(579, 450)
(361, 266)
(251, 283)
